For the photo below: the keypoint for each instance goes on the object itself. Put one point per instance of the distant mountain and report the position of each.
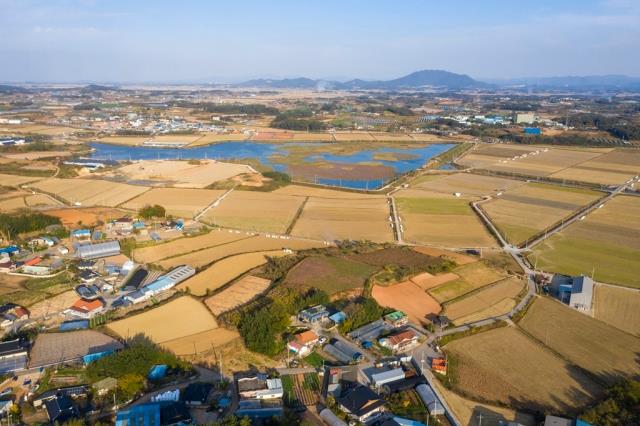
(415, 80)
(591, 82)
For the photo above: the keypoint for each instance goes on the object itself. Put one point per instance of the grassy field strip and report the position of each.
(297, 216)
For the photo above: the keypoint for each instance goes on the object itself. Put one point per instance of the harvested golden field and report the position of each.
(125, 140)
(619, 307)
(353, 137)
(16, 180)
(36, 155)
(90, 192)
(409, 298)
(204, 257)
(255, 211)
(507, 367)
(526, 160)
(185, 245)
(27, 201)
(52, 305)
(467, 184)
(490, 301)
(315, 192)
(607, 242)
(177, 325)
(332, 219)
(226, 270)
(472, 276)
(612, 168)
(237, 294)
(179, 173)
(209, 138)
(176, 201)
(427, 281)
(170, 139)
(586, 342)
(393, 137)
(441, 220)
(11, 204)
(522, 212)
(87, 216)
(41, 200)
(201, 342)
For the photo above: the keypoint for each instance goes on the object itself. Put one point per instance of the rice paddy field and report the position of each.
(527, 160)
(490, 301)
(591, 344)
(332, 219)
(471, 277)
(522, 212)
(183, 325)
(329, 273)
(619, 307)
(177, 201)
(611, 168)
(225, 271)
(255, 211)
(90, 192)
(237, 294)
(251, 243)
(185, 245)
(316, 192)
(180, 174)
(467, 184)
(607, 242)
(409, 298)
(15, 180)
(505, 366)
(440, 220)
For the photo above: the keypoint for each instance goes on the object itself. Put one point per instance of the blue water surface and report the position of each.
(263, 151)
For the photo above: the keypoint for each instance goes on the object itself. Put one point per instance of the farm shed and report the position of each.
(430, 400)
(13, 356)
(388, 376)
(331, 419)
(347, 350)
(145, 414)
(60, 348)
(96, 251)
(337, 354)
(576, 292)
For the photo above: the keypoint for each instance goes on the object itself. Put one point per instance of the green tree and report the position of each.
(130, 385)
(152, 211)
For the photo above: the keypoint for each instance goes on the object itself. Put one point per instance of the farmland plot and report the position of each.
(176, 201)
(619, 307)
(248, 244)
(185, 245)
(490, 301)
(587, 342)
(328, 273)
(607, 242)
(506, 367)
(225, 270)
(255, 211)
(472, 276)
(179, 325)
(613, 168)
(334, 219)
(522, 212)
(15, 180)
(239, 293)
(437, 219)
(467, 184)
(409, 298)
(90, 192)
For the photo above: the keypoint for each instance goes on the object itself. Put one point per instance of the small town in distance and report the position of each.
(278, 246)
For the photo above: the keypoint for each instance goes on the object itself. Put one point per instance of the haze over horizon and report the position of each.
(118, 41)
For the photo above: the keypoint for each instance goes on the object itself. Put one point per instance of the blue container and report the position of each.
(157, 372)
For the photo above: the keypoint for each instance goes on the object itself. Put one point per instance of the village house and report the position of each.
(396, 319)
(401, 341)
(362, 404)
(259, 387)
(85, 308)
(303, 343)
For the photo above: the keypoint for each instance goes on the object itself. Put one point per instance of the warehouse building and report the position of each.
(576, 292)
(96, 251)
(430, 400)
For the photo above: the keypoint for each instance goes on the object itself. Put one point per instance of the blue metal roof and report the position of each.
(9, 249)
(160, 283)
(139, 415)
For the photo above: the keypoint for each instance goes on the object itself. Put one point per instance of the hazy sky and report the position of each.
(231, 40)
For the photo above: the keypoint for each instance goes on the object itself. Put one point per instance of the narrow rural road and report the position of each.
(212, 205)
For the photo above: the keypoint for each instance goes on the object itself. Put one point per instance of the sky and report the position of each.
(231, 41)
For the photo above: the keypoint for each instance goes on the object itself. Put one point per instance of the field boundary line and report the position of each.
(195, 251)
(293, 222)
(132, 198)
(475, 290)
(213, 204)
